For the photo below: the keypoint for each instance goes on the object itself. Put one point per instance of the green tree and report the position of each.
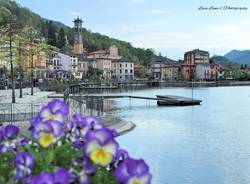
(52, 34)
(9, 27)
(61, 39)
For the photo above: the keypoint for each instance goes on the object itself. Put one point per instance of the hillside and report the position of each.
(92, 41)
(221, 60)
(238, 56)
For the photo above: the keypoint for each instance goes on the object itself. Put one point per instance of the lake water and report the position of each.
(206, 144)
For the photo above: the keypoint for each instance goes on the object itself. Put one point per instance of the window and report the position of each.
(120, 71)
(126, 71)
(131, 71)
(120, 65)
(126, 65)
(114, 65)
(131, 65)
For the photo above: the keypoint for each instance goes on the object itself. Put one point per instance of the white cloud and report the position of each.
(226, 29)
(155, 12)
(74, 13)
(217, 39)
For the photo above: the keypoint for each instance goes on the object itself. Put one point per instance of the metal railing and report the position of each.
(11, 112)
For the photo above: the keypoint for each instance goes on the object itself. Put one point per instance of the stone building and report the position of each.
(122, 69)
(191, 59)
(78, 44)
(170, 72)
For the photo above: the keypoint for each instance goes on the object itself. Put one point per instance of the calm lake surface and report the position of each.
(206, 144)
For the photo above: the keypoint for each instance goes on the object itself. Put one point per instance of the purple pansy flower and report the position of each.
(60, 177)
(24, 141)
(120, 157)
(72, 131)
(100, 146)
(1, 136)
(8, 138)
(87, 123)
(82, 177)
(24, 162)
(11, 132)
(133, 171)
(47, 133)
(56, 110)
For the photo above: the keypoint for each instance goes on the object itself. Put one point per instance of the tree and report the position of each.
(9, 26)
(32, 49)
(20, 50)
(61, 39)
(52, 34)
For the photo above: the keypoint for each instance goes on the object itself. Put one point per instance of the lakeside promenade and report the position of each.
(38, 97)
(41, 97)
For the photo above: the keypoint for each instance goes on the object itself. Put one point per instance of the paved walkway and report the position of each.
(38, 97)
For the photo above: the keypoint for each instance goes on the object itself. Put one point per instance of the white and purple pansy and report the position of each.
(87, 123)
(9, 138)
(72, 131)
(100, 146)
(24, 163)
(56, 110)
(132, 171)
(47, 133)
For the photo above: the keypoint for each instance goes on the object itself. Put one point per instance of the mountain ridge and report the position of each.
(92, 41)
(239, 56)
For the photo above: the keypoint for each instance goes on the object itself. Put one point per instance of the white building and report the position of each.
(203, 71)
(122, 69)
(74, 66)
(61, 62)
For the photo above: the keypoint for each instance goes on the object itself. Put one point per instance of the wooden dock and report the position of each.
(176, 100)
(98, 87)
(162, 100)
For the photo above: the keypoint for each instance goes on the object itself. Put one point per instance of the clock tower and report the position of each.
(78, 45)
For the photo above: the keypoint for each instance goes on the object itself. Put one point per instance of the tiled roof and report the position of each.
(197, 50)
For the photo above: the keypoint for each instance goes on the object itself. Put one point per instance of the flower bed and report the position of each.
(58, 151)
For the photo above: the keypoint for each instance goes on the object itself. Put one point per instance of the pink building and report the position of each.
(105, 65)
(188, 71)
(83, 67)
(98, 54)
(214, 70)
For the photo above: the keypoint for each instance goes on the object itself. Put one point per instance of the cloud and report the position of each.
(74, 13)
(217, 39)
(155, 12)
(226, 29)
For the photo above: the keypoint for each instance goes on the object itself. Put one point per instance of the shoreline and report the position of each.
(110, 121)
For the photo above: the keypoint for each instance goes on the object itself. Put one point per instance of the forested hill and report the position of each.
(54, 32)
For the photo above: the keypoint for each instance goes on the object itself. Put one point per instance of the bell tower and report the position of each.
(78, 45)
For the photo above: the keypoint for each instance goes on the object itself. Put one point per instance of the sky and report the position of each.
(170, 27)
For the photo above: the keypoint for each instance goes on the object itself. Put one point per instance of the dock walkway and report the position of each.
(162, 100)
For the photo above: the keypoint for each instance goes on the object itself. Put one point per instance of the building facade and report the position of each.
(122, 69)
(191, 59)
(104, 64)
(203, 72)
(170, 72)
(111, 53)
(61, 62)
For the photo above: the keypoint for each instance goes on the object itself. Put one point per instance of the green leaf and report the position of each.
(10, 181)
(6, 166)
